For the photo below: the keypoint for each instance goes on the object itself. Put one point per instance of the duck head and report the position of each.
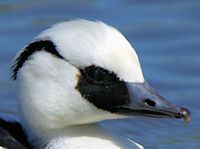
(81, 72)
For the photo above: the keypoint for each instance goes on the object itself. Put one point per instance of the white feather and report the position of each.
(50, 106)
(85, 43)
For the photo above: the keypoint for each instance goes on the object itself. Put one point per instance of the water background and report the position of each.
(166, 35)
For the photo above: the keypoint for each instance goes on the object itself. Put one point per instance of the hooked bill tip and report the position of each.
(186, 114)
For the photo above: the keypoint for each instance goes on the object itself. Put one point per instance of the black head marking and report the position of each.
(102, 88)
(33, 47)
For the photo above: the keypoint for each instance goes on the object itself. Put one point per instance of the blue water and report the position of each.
(166, 35)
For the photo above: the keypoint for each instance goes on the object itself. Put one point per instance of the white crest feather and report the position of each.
(49, 104)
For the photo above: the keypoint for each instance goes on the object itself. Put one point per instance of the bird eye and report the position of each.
(98, 75)
(95, 75)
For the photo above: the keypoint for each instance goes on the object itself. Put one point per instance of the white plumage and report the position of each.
(49, 104)
(59, 105)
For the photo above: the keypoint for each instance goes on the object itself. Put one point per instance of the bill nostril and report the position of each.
(149, 102)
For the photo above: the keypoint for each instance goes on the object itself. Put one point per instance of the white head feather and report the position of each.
(48, 98)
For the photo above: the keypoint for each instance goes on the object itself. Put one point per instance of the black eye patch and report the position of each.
(102, 88)
(98, 75)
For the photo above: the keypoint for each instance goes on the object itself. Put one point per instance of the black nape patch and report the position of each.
(45, 45)
(102, 88)
(12, 136)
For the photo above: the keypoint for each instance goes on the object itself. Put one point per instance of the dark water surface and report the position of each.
(166, 35)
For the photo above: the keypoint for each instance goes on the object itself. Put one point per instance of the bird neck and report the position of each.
(74, 137)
